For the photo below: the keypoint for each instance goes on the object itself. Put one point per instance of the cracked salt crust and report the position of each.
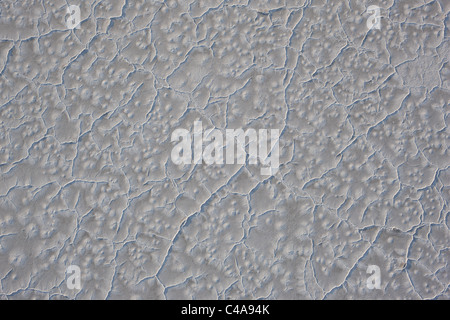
(86, 175)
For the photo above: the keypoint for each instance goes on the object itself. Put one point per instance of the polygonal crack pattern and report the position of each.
(86, 117)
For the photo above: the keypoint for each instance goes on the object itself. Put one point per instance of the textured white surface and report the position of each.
(86, 175)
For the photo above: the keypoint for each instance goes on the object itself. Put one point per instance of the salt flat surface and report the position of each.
(86, 117)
